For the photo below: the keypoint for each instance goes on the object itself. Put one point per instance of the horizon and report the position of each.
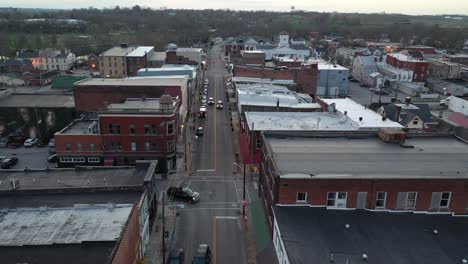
(450, 7)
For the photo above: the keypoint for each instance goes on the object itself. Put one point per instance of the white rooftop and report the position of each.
(404, 57)
(299, 121)
(46, 226)
(140, 51)
(176, 80)
(269, 95)
(254, 51)
(330, 66)
(370, 119)
(260, 80)
(118, 51)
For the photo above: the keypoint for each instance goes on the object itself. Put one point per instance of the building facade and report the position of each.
(332, 80)
(418, 67)
(444, 69)
(124, 60)
(138, 129)
(363, 67)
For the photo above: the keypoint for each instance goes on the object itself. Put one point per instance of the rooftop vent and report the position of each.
(435, 231)
(347, 226)
(124, 45)
(360, 119)
(464, 261)
(364, 256)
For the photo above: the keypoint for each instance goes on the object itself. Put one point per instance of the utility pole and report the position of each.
(163, 231)
(251, 154)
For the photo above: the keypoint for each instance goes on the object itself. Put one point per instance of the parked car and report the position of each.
(2, 158)
(381, 91)
(202, 255)
(14, 144)
(183, 193)
(204, 97)
(41, 143)
(364, 85)
(203, 102)
(69, 72)
(206, 81)
(219, 104)
(211, 101)
(3, 142)
(52, 158)
(176, 256)
(30, 142)
(199, 132)
(52, 151)
(52, 143)
(8, 163)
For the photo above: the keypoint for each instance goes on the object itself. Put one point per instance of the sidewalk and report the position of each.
(154, 252)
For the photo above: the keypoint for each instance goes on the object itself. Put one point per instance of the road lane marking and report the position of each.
(214, 240)
(209, 208)
(227, 217)
(255, 186)
(215, 126)
(206, 170)
(248, 195)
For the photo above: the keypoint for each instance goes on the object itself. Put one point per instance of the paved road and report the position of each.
(215, 220)
(32, 157)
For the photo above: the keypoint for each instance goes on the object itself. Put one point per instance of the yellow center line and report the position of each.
(214, 240)
(215, 125)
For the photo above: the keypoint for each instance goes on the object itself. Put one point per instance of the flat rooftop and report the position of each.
(177, 80)
(299, 121)
(261, 80)
(38, 100)
(368, 157)
(330, 67)
(138, 105)
(168, 71)
(269, 95)
(47, 226)
(140, 51)
(311, 235)
(118, 51)
(81, 127)
(86, 177)
(355, 111)
(404, 57)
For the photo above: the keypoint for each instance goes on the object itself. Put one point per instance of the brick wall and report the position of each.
(317, 191)
(305, 77)
(173, 58)
(93, 98)
(127, 251)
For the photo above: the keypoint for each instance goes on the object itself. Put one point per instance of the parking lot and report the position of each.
(363, 96)
(32, 157)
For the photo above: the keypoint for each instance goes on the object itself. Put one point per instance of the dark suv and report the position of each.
(8, 163)
(176, 256)
(202, 255)
(183, 193)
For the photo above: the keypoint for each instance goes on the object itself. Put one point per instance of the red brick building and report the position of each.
(189, 56)
(305, 77)
(94, 94)
(418, 67)
(423, 49)
(254, 57)
(138, 129)
(363, 172)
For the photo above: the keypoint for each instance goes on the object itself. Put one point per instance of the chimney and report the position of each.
(277, 105)
(407, 100)
(124, 45)
(393, 100)
(397, 114)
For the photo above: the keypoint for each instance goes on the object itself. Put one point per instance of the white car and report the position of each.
(219, 104)
(30, 142)
(52, 143)
(211, 101)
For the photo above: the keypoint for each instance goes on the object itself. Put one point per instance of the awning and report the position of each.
(109, 161)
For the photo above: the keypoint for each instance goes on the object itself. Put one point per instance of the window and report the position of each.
(133, 146)
(170, 129)
(115, 72)
(147, 129)
(93, 160)
(132, 129)
(110, 65)
(336, 199)
(415, 122)
(68, 147)
(301, 197)
(79, 147)
(115, 64)
(154, 146)
(91, 147)
(411, 200)
(114, 129)
(258, 143)
(153, 129)
(445, 200)
(170, 146)
(380, 200)
(147, 146)
(119, 146)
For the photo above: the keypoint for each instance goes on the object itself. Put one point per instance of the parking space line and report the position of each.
(227, 217)
(237, 194)
(206, 170)
(209, 208)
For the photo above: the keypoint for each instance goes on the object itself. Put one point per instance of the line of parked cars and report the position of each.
(201, 256)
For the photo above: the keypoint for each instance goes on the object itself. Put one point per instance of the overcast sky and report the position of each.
(417, 7)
